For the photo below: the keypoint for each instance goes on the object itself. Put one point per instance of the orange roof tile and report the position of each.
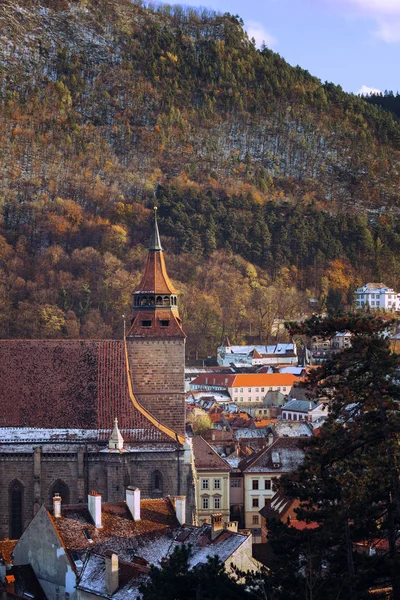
(6, 549)
(155, 279)
(264, 379)
(264, 422)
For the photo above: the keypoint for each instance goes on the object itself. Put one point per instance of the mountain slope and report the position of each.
(104, 103)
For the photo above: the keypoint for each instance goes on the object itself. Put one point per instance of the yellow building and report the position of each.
(211, 479)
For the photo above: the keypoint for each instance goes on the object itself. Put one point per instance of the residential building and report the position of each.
(297, 410)
(106, 549)
(211, 477)
(377, 296)
(260, 470)
(282, 508)
(274, 354)
(247, 388)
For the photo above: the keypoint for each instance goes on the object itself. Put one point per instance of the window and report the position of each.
(241, 398)
(255, 484)
(249, 398)
(255, 503)
(241, 390)
(16, 502)
(204, 484)
(255, 519)
(257, 390)
(205, 503)
(217, 484)
(164, 323)
(267, 483)
(217, 502)
(59, 487)
(284, 389)
(146, 323)
(262, 389)
(235, 482)
(257, 398)
(249, 390)
(157, 484)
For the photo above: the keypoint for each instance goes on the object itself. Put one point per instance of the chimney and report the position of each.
(180, 509)
(112, 572)
(232, 526)
(217, 526)
(57, 506)
(133, 502)
(94, 506)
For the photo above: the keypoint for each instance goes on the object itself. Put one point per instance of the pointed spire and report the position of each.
(155, 238)
(116, 440)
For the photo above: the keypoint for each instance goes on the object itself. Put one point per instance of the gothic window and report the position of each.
(143, 301)
(157, 484)
(16, 508)
(60, 487)
(166, 301)
(159, 300)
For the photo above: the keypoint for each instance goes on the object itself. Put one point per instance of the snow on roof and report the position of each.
(292, 428)
(299, 406)
(292, 370)
(271, 349)
(246, 432)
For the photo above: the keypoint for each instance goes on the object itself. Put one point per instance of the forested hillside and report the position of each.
(272, 187)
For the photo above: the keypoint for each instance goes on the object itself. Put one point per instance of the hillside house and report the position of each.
(274, 354)
(377, 296)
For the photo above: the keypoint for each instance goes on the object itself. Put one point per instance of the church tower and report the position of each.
(156, 342)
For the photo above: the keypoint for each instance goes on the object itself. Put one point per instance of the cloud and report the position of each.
(385, 13)
(256, 30)
(365, 90)
(389, 32)
(374, 8)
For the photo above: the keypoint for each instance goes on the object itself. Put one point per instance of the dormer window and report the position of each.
(164, 323)
(146, 323)
(276, 460)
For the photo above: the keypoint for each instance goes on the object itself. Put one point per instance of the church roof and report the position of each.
(71, 384)
(155, 278)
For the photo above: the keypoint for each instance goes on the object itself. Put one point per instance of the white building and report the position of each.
(377, 295)
(274, 354)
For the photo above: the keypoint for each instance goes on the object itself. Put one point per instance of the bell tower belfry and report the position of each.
(156, 342)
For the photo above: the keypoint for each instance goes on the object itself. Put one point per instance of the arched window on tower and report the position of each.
(16, 503)
(166, 301)
(159, 300)
(61, 488)
(156, 484)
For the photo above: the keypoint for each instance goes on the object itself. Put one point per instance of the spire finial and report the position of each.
(155, 239)
(116, 441)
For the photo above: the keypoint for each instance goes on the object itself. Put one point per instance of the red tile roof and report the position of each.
(157, 516)
(58, 384)
(205, 458)
(155, 279)
(156, 329)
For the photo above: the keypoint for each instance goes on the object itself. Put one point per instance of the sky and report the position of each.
(352, 43)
